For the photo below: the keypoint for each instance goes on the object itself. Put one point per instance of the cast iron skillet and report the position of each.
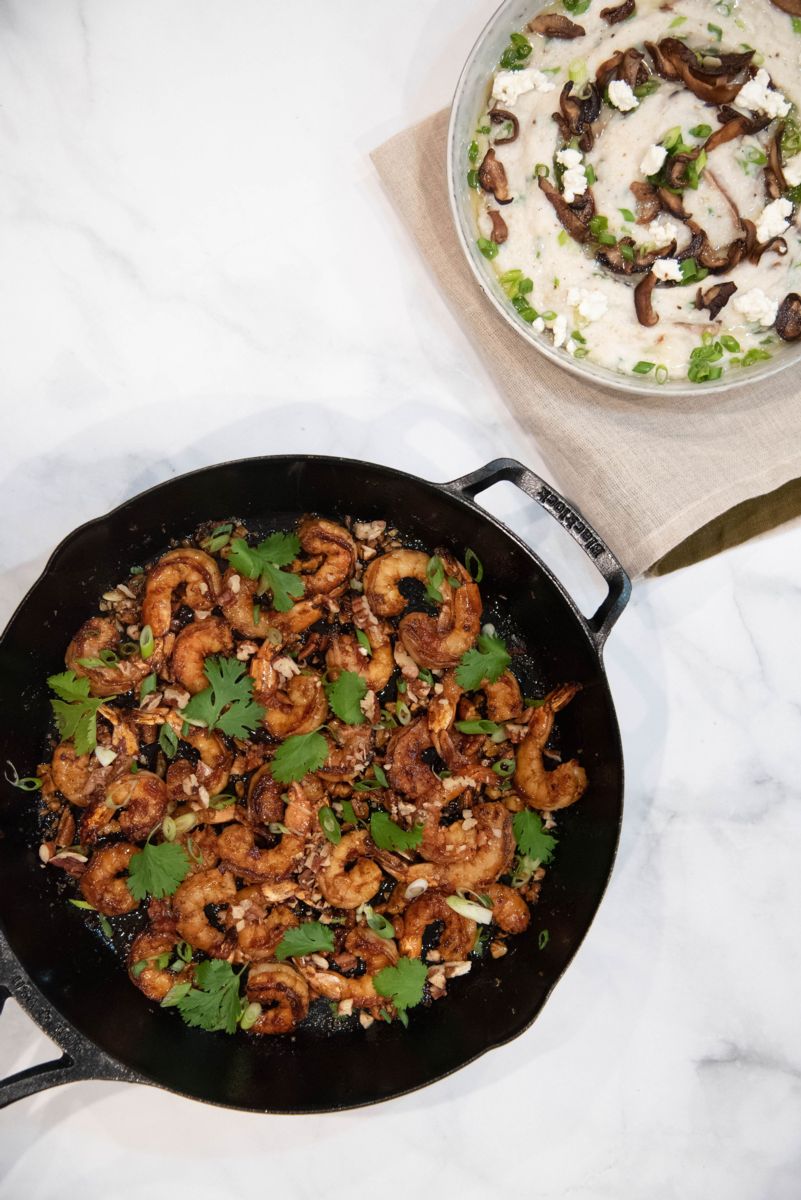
(67, 978)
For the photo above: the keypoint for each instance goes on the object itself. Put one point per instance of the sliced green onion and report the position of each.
(701, 131)
(402, 712)
(168, 829)
(472, 182)
(716, 31)
(224, 800)
(139, 967)
(469, 909)
(82, 904)
(380, 776)
(364, 642)
(488, 727)
(378, 923)
(128, 648)
(148, 686)
(168, 740)
(176, 994)
(28, 783)
(147, 642)
(329, 824)
(662, 374)
(184, 951)
(401, 687)
(627, 214)
(105, 925)
(277, 827)
(542, 940)
(504, 766)
(643, 368)
(425, 675)
(472, 151)
(250, 1016)
(257, 616)
(729, 343)
(474, 566)
(488, 248)
(184, 823)
(542, 169)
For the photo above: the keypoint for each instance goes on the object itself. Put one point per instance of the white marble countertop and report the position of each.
(199, 263)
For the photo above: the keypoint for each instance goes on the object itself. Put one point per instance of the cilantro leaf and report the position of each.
(344, 695)
(387, 835)
(263, 562)
(489, 661)
(403, 984)
(157, 870)
(227, 703)
(308, 938)
(215, 1003)
(297, 756)
(76, 711)
(531, 838)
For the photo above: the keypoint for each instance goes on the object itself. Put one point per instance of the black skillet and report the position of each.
(68, 979)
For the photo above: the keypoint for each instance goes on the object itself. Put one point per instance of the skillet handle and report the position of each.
(80, 1061)
(508, 469)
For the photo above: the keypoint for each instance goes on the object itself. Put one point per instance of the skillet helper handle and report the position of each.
(600, 624)
(73, 1065)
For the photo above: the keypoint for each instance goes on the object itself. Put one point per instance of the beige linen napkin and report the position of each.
(662, 476)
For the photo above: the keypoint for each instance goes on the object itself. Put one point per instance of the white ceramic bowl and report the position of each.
(471, 92)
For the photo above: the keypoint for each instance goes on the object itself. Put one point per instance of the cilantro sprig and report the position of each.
(532, 840)
(403, 984)
(345, 695)
(215, 1003)
(264, 562)
(227, 703)
(157, 870)
(388, 835)
(298, 755)
(75, 710)
(488, 661)
(309, 938)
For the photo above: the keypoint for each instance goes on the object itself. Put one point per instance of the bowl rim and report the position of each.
(590, 373)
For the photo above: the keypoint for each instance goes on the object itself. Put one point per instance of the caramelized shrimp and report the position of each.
(333, 544)
(211, 771)
(240, 854)
(186, 570)
(190, 901)
(259, 932)
(102, 884)
(239, 602)
(265, 798)
(405, 766)
(383, 575)
(540, 788)
(375, 668)
(193, 645)
(142, 801)
(73, 774)
(442, 640)
(488, 857)
(101, 633)
(458, 934)
(350, 751)
(374, 951)
(509, 910)
(283, 994)
(349, 888)
(300, 707)
(153, 980)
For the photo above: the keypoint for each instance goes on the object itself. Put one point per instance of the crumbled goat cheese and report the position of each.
(508, 86)
(652, 159)
(774, 219)
(792, 171)
(591, 305)
(621, 96)
(559, 330)
(668, 268)
(574, 180)
(662, 231)
(758, 96)
(756, 306)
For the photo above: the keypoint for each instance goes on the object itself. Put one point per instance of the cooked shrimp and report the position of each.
(374, 951)
(490, 856)
(211, 771)
(190, 901)
(102, 883)
(509, 910)
(142, 801)
(442, 640)
(350, 751)
(458, 934)
(265, 798)
(375, 668)
(186, 569)
(193, 645)
(333, 544)
(504, 699)
(405, 766)
(282, 993)
(239, 602)
(299, 618)
(346, 888)
(383, 575)
(153, 980)
(300, 707)
(240, 854)
(74, 774)
(260, 931)
(96, 634)
(540, 788)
